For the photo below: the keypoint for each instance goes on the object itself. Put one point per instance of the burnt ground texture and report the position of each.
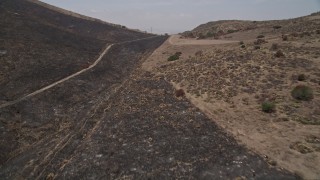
(41, 47)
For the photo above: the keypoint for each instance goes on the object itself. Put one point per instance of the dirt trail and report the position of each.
(177, 40)
(66, 78)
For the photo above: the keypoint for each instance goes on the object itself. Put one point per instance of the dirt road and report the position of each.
(177, 40)
(66, 78)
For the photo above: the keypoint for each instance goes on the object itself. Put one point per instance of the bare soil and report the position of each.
(229, 84)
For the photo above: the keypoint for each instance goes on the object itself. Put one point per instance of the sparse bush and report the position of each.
(302, 92)
(284, 37)
(210, 34)
(257, 47)
(201, 36)
(277, 27)
(260, 36)
(274, 47)
(260, 41)
(301, 77)
(279, 54)
(232, 31)
(241, 42)
(318, 31)
(179, 53)
(180, 93)
(243, 46)
(268, 107)
(199, 53)
(175, 57)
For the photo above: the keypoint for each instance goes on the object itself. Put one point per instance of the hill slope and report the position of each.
(228, 29)
(247, 82)
(41, 46)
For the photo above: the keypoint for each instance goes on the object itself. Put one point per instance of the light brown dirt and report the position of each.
(280, 137)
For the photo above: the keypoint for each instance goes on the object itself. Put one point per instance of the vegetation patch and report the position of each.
(260, 36)
(279, 54)
(180, 93)
(277, 27)
(274, 47)
(284, 38)
(175, 57)
(268, 107)
(302, 77)
(302, 92)
(300, 147)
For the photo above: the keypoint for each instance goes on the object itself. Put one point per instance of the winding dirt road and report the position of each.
(104, 52)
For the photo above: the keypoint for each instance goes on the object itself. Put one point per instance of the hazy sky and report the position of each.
(173, 16)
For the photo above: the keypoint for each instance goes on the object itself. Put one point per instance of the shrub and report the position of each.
(199, 53)
(201, 36)
(180, 93)
(274, 47)
(301, 77)
(241, 42)
(284, 37)
(277, 27)
(232, 31)
(279, 54)
(318, 31)
(174, 57)
(243, 46)
(257, 47)
(260, 41)
(302, 92)
(268, 107)
(260, 36)
(210, 34)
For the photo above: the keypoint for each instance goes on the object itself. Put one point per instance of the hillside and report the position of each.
(261, 84)
(85, 99)
(41, 46)
(240, 30)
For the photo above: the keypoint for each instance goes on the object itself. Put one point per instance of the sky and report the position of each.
(174, 16)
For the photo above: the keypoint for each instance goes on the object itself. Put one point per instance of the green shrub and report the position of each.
(174, 57)
(268, 107)
(301, 77)
(210, 34)
(243, 46)
(302, 92)
(232, 31)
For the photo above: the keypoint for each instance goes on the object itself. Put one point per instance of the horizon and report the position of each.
(175, 16)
